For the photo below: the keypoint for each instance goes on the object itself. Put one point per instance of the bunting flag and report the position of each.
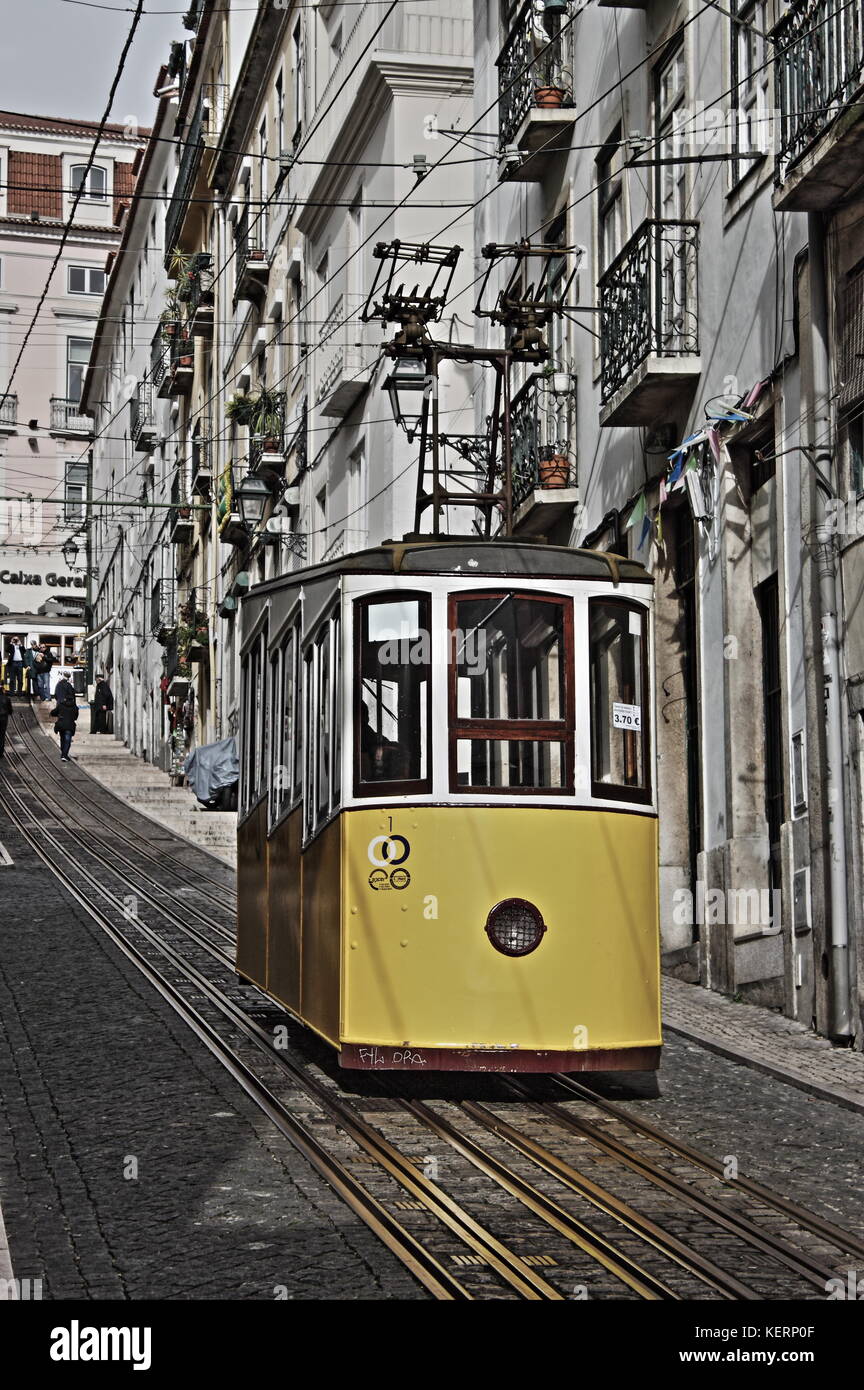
(714, 442)
(690, 442)
(646, 529)
(753, 395)
(638, 512)
(663, 492)
(730, 417)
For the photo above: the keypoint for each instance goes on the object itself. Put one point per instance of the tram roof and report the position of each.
(534, 560)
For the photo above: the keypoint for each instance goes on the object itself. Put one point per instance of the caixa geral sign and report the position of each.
(54, 581)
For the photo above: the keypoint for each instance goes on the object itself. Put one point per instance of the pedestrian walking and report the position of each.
(15, 665)
(43, 672)
(65, 715)
(5, 711)
(104, 703)
(31, 658)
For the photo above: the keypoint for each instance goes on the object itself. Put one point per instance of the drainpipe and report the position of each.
(840, 1022)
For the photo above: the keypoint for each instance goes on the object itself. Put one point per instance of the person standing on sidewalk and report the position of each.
(5, 711)
(31, 657)
(15, 665)
(104, 703)
(43, 672)
(65, 715)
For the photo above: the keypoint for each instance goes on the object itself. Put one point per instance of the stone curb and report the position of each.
(847, 1099)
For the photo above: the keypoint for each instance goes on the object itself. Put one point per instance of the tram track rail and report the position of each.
(517, 1276)
(493, 1252)
(37, 746)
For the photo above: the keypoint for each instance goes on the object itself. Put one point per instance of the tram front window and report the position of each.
(392, 709)
(511, 659)
(618, 699)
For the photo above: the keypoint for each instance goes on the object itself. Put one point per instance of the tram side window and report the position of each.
(284, 708)
(511, 686)
(254, 762)
(322, 683)
(619, 715)
(391, 710)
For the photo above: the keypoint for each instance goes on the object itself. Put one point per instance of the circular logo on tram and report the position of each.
(400, 878)
(378, 879)
(386, 851)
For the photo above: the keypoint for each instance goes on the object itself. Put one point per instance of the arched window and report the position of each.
(95, 181)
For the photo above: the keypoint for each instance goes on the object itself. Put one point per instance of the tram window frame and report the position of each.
(417, 786)
(254, 765)
(514, 731)
(321, 652)
(621, 791)
(286, 745)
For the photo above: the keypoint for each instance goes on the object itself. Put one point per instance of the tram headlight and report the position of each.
(515, 927)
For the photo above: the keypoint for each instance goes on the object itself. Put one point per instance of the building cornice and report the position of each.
(388, 75)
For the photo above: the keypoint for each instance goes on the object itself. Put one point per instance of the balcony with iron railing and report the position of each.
(202, 466)
(649, 324)
(542, 452)
(819, 92)
(66, 417)
(8, 413)
(142, 419)
(199, 299)
(253, 269)
(162, 608)
(536, 103)
(344, 361)
(172, 361)
(192, 145)
(180, 514)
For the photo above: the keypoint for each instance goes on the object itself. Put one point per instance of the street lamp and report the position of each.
(253, 494)
(406, 386)
(560, 382)
(70, 552)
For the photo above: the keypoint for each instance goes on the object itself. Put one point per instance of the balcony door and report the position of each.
(670, 199)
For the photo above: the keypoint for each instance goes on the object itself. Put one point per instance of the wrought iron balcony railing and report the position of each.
(8, 411)
(649, 301)
(193, 145)
(180, 515)
(541, 438)
(251, 255)
(162, 606)
(66, 417)
(142, 424)
(819, 65)
(535, 66)
(202, 465)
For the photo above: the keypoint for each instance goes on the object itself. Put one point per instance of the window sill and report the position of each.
(744, 191)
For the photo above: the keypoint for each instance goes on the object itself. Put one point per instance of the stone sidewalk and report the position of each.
(765, 1040)
(147, 789)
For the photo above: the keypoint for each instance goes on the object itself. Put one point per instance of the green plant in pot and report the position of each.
(266, 422)
(240, 409)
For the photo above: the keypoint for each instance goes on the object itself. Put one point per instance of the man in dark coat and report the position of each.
(65, 715)
(103, 702)
(15, 665)
(5, 711)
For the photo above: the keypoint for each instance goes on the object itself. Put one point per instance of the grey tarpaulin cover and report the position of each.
(212, 767)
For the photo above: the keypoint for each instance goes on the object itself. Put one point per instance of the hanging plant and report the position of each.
(240, 409)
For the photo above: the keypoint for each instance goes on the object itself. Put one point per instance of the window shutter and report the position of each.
(852, 356)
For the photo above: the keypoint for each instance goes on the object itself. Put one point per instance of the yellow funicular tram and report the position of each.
(447, 846)
(447, 849)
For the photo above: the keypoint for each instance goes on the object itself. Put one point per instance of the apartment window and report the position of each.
(280, 113)
(669, 98)
(853, 439)
(264, 182)
(95, 181)
(75, 492)
(750, 76)
(297, 80)
(77, 357)
(610, 200)
(86, 279)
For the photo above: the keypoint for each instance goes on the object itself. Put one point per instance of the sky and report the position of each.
(59, 57)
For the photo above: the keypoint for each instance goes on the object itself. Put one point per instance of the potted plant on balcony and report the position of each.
(240, 409)
(266, 420)
(553, 466)
(552, 79)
